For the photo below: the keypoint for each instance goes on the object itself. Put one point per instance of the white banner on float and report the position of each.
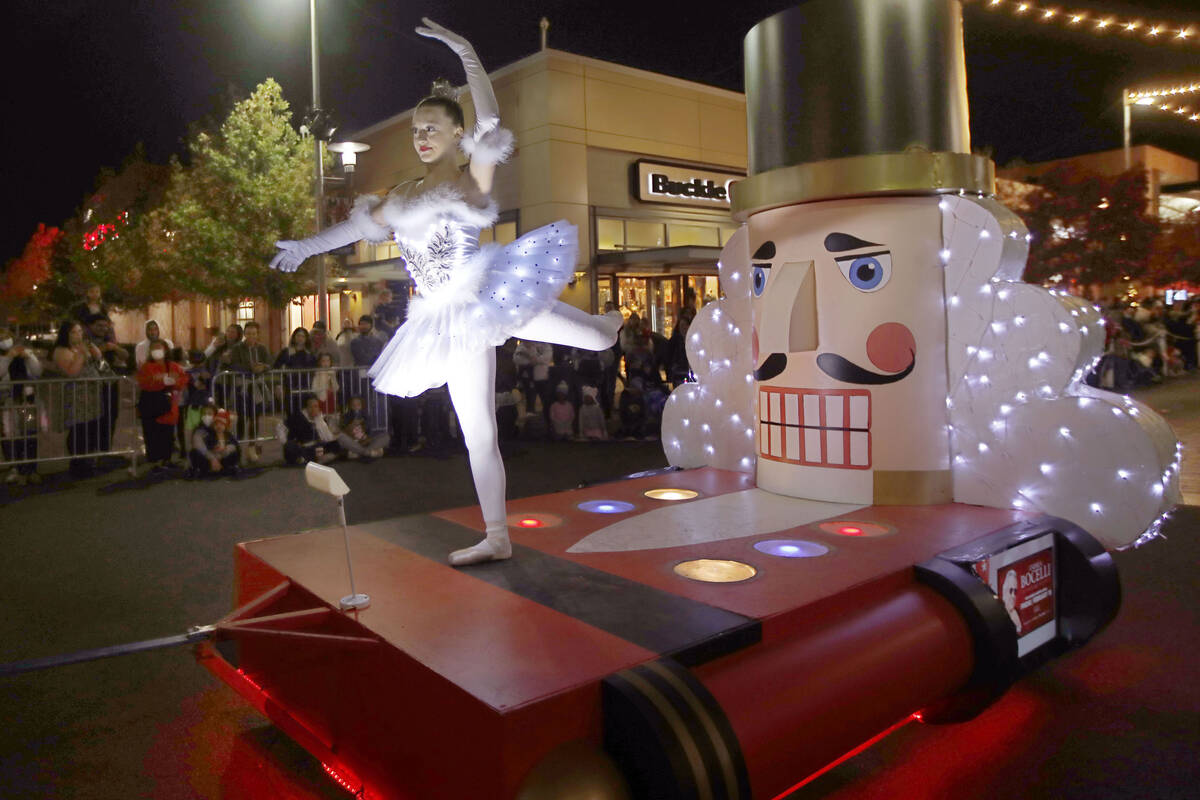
(1023, 578)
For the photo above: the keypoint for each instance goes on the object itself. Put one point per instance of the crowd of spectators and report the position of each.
(206, 412)
(1147, 342)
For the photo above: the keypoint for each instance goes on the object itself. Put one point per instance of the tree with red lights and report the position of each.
(1088, 228)
(1175, 257)
(27, 272)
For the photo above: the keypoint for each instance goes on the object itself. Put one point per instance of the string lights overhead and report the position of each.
(1100, 23)
(1166, 99)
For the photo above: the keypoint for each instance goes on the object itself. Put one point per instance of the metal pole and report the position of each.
(319, 178)
(354, 600)
(1128, 151)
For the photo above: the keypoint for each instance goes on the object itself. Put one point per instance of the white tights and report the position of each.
(473, 393)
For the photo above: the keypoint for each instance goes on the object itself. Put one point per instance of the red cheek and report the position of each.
(891, 347)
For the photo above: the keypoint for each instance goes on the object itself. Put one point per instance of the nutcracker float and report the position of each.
(900, 499)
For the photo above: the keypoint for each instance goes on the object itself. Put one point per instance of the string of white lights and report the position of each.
(1100, 23)
(1163, 99)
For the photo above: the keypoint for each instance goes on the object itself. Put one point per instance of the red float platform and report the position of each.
(459, 683)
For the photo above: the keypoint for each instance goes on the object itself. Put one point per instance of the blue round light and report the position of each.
(791, 548)
(606, 506)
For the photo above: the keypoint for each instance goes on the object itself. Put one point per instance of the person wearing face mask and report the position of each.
(214, 447)
(18, 409)
(162, 383)
(141, 350)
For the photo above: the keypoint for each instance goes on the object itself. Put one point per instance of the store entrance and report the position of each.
(658, 299)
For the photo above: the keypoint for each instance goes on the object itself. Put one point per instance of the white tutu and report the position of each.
(490, 292)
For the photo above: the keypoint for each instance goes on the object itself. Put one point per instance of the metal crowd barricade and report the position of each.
(263, 400)
(46, 420)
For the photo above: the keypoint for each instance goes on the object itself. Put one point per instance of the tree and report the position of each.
(25, 274)
(1088, 228)
(106, 241)
(1175, 257)
(249, 183)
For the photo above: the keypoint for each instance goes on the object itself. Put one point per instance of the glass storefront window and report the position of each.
(640, 235)
(610, 234)
(680, 234)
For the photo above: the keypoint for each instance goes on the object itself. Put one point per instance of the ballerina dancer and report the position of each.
(470, 298)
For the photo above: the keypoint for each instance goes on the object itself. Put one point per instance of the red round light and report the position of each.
(530, 522)
(850, 530)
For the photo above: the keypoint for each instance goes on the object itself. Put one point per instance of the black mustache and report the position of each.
(847, 371)
(772, 366)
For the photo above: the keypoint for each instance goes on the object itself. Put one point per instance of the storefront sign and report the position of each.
(684, 186)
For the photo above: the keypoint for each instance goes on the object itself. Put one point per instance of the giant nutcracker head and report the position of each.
(845, 240)
(894, 354)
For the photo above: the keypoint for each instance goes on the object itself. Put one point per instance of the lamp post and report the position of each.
(318, 160)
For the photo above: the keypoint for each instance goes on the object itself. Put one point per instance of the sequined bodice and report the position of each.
(432, 257)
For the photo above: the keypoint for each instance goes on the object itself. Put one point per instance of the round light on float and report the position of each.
(854, 529)
(671, 494)
(605, 506)
(534, 519)
(791, 548)
(715, 570)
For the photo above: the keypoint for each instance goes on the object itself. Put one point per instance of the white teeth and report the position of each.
(812, 445)
(833, 412)
(834, 446)
(860, 446)
(791, 448)
(793, 429)
(860, 407)
(791, 407)
(812, 411)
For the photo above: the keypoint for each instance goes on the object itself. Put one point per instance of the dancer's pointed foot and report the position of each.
(495, 547)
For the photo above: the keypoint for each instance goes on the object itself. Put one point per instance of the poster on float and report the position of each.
(1023, 578)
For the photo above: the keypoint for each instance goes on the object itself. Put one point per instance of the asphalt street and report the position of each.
(114, 559)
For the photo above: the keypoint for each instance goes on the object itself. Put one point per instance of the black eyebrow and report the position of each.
(841, 242)
(765, 252)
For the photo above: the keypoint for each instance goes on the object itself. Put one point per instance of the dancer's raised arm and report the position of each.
(489, 144)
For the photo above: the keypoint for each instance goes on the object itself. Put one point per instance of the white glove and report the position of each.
(487, 110)
(292, 253)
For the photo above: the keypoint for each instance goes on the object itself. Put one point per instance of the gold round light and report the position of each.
(715, 570)
(671, 494)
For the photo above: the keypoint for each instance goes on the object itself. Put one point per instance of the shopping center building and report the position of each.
(640, 163)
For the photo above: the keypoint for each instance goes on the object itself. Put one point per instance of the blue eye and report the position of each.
(758, 277)
(867, 273)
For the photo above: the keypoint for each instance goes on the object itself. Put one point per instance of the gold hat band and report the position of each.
(912, 172)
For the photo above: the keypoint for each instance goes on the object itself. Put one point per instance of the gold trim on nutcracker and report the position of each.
(913, 487)
(912, 172)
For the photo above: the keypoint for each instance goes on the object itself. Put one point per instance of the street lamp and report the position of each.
(318, 160)
(349, 152)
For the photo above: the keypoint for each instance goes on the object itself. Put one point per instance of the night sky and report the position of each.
(87, 81)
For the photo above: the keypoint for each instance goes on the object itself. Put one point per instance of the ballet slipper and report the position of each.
(494, 547)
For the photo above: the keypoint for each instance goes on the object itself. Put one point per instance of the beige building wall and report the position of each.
(1163, 168)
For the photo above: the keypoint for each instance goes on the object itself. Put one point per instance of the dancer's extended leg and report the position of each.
(473, 392)
(567, 325)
